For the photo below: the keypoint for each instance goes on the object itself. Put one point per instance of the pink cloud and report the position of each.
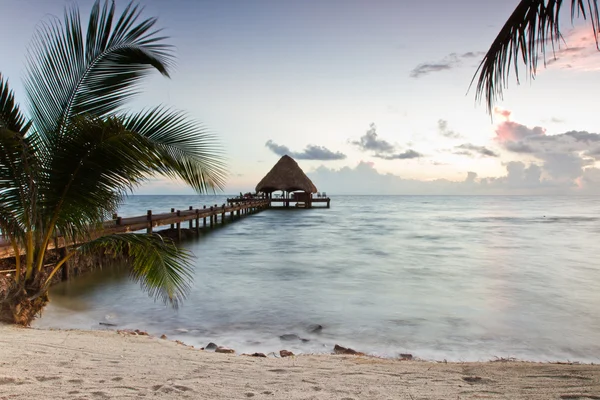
(509, 131)
(577, 52)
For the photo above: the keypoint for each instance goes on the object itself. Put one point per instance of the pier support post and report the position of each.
(191, 220)
(149, 218)
(172, 225)
(179, 226)
(223, 215)
(197, 221)
(211, 216)
(328, 200)
(204, 219)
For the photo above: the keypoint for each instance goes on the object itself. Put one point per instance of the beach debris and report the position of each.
(472, 379)
(106, 324)
(288, 337)
(285, 353)
(406, 356)
(337, 349)
(163, 336)
(136, 332)
(224, 350)
(256, 355)
(315, 328)
(181, 330)
(211, 346)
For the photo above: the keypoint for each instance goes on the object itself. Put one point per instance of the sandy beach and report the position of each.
(95, 365)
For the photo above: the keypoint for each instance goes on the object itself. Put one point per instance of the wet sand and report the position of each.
(65, 364)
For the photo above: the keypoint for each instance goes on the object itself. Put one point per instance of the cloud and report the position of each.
(577, 52)
(468, 149)
(371, 142)
(381, 148)
(519, 178)
(444, 131)
(406, 155)
(451, 61)
(311, 152)
(563, 157)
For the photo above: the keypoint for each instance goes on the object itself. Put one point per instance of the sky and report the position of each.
(370, 97)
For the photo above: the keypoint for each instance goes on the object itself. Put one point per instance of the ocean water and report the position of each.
(455, 278)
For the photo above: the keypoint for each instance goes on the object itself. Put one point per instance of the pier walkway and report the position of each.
(205, 218)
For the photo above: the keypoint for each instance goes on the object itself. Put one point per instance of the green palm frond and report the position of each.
(19, 169)
(162, 269)
(92, 167)
(69, 75)
(185, 149)
(525, 37)
(11, 117)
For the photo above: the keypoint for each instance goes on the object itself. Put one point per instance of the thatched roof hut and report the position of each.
(286, 175)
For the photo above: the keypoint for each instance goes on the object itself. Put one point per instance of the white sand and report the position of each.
(40, 364)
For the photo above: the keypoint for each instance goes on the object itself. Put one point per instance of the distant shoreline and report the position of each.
(112, 365)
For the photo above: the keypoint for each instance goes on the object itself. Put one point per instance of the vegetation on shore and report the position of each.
(66, 164)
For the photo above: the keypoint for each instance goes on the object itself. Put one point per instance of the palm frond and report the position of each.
(18, 182)
(532, 27)
(92, 167)
(11, 117)
(184, 148)
(69, 75)
(162, 269)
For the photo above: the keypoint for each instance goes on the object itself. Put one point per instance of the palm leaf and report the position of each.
(11, 117)
(185, 149)
(162, 269)
(533, 26)
(69, 75)
(92, 167)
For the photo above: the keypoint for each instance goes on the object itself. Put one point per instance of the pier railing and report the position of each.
(198, 219)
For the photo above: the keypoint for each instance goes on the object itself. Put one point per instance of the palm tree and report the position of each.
(531, 28)
(67, 165)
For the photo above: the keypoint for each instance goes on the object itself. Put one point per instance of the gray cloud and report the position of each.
(311, 152)
(444, 131)
(469, 149)
(451, 61)
(405, 155)
(424, 69)
(382, 148)
(371, 142)
(520, 178)
(564, 157)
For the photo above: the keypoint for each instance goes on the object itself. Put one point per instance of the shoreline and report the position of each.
(107, 364)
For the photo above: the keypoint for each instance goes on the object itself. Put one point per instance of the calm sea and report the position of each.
(456, 278)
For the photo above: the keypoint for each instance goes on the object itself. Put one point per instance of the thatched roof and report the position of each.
(286, 175)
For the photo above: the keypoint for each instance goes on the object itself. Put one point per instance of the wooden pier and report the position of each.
(198, 219)
(303, 202)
